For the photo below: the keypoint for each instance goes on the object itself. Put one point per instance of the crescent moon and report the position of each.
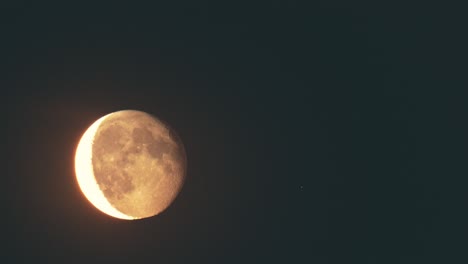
(85, 174)
(130, 165)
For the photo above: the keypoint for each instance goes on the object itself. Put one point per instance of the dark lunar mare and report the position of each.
(111, 180)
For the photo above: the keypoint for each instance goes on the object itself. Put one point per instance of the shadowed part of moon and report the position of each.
(138, 162)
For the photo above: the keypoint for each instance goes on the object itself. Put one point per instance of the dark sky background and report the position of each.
(322, 133)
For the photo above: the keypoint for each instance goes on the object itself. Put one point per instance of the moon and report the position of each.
(130, 165)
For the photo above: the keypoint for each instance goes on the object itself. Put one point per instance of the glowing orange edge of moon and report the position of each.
(85, 174)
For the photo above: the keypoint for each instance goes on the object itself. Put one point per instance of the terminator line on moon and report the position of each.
(130, 165)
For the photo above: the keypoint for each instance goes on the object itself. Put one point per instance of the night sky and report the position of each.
(325, 132)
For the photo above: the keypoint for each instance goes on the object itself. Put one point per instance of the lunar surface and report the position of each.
(130, 165)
